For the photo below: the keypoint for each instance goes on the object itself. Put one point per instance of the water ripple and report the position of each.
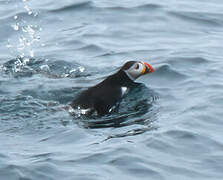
(75, 6)
(171, 128)
(206, 19)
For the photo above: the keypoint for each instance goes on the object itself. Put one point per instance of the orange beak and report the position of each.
(148, 68)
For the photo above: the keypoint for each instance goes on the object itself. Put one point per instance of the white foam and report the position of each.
(123, 91)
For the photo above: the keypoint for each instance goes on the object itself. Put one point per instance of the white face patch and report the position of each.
(124, 90)
(135, 70)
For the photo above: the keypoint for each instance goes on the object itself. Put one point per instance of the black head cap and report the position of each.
(127, 65)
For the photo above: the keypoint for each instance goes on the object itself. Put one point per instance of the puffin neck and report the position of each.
(129, 76)
(121, 78)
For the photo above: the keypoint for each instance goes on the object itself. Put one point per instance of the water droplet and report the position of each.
(9, 46)
(37, 38)
(72, 70)
(26, 60)
(24, 30)
(45, 67)
(15, 27)
(22, 55)
(30, 30)
(32, 53)
(81, 69)
(28, 9)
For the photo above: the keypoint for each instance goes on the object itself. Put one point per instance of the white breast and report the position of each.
(124, 90)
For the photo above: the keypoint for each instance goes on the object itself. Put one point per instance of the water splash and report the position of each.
(27, 34)
(138, 107)
(28, 66)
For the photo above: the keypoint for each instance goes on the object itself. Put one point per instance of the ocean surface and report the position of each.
(168, 128)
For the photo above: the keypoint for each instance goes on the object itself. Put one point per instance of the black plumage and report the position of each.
(105, 95)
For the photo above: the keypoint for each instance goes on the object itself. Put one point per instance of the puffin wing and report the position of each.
(106, 99)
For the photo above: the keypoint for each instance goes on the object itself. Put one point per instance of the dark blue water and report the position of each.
(169, 127)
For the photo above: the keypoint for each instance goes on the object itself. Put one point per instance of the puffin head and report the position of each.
(135, 69)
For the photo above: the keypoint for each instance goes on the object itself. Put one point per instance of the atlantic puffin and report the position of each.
(103, 97)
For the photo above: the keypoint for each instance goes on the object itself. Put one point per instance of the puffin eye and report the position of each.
(137, 66)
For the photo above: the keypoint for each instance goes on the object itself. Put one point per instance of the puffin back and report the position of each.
(105, 95)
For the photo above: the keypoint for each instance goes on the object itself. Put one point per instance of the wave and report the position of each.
(187, 62)
(150, 6)
(167, 71)
(206, 19)
(75, 6)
